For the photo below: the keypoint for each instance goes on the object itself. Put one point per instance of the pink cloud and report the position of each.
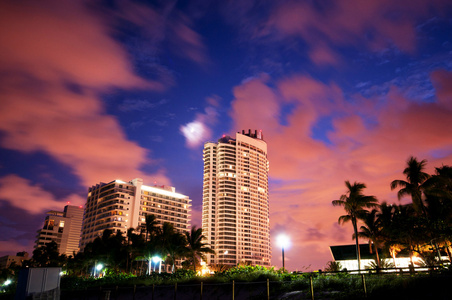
(43, 47)
(375, 24)
(255, 104)
(166, 24)
(35, 200)
(323, 55)
(441, 81)
(187, 42)
(74, 129)
(63, 41)
(307, 174)
(7, 246)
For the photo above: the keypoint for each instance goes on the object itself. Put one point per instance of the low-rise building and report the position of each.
(18, 259)
(346, 256)
(62, 227)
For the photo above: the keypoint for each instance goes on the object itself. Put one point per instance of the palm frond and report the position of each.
(344, 219)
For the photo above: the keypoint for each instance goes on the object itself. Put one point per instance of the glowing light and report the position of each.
(7, 282)
(194, 132)
(416, 259)
(283, 241)
(162, 192)
(99, 267)
(156, 259)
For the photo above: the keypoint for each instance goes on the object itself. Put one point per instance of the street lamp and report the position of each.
(283, 241)
(155, 260)
(99, 268)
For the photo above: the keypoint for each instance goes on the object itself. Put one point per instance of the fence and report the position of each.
(310, 286)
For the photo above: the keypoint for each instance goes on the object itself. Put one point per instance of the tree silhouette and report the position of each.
(195, 247)
(355, 203)
(371, 231)
(416, 176)
(48, 256)
(172, 244)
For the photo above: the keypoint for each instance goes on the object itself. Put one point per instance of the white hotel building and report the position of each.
(120, 205)
(235, 211)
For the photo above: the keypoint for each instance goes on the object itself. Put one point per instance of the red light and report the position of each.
(224, 135)
(80, 206)
(68, 202)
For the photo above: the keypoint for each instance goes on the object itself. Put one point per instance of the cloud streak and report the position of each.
(34, 200)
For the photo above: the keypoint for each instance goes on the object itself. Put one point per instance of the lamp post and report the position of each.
(156, 260)
(99, 268)
(283, 241)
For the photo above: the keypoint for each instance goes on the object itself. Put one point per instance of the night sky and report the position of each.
(94, 91)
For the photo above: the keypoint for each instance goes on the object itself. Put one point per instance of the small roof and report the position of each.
(348, 252)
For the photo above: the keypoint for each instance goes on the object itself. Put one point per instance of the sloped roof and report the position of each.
(348, 252)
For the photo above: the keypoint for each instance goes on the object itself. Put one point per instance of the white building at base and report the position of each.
(119, 205)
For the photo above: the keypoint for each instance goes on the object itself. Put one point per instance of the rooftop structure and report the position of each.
(18, 259)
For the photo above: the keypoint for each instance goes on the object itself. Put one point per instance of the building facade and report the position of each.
(18, 259)
(62, 227)
(235, 211)
(119, 205)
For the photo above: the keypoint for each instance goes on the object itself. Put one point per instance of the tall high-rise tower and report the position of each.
(235, 211)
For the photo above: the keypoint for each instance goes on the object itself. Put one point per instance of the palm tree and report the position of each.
(407, 228)
(195, 247)
(438, 192)
(175, 248)
(371, 231)
(333, 266)
(416, 176)
(151, 226)
(171, 243)
(388, 233)
(355, 204)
